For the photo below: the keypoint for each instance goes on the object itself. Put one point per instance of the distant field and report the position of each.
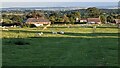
(79, 46)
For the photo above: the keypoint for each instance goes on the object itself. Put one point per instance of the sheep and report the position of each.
(61, 32)
(54, 32)
(6, 29)
(41, 32)
(38, 34)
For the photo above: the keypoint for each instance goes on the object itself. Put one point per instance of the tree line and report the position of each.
(63, 16)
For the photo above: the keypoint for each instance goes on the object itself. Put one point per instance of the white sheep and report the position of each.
(54, 32)
(6, 29)
(39, 34)
(61, 32)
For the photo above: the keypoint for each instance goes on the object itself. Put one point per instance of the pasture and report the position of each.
(78, 46)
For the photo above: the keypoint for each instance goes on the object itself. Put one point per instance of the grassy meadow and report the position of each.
(78, 46)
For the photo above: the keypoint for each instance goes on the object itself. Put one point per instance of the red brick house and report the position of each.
(117, 21)
(83, 20)
(94, 20)
(37, 21)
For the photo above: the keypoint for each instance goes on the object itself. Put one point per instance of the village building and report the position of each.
(94, 20)
(38, 21)
(117, 21)
(77, 20)
(1, 20)
(83, 20)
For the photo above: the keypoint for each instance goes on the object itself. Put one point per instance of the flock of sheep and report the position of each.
(53, 32)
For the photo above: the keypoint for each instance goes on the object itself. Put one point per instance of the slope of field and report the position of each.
(78, 46)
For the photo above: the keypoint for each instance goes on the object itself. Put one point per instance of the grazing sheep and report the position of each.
(61, 32)
(68, 27)
(38, 34)
(41, 33)
(6, 29)
(54, 32)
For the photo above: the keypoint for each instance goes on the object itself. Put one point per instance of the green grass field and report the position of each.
(79, 46)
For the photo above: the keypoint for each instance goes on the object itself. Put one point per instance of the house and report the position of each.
(1, 20)
(38, 21)
(83, 20)
(117, 21)
(94, 20)
(77, 20)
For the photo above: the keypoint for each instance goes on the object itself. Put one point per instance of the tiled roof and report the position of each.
(37, 20)
(117, 20)
(93, 19)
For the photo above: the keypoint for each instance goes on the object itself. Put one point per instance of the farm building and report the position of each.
(93, 20)
(37, 21)
(77, 19)
(83, 20)
(117, 21)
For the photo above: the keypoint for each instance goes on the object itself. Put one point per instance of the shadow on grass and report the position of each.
(27, 41)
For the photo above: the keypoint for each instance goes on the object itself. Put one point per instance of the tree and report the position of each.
(110, 19)
(73, 15)
(52, 19)
(93, 12)
(103, 19)
(65, 18)
(4, 16)
(59, 19)
(16, 19)
(76, 14)
(72, 20)
(34, 14)
(8, 21)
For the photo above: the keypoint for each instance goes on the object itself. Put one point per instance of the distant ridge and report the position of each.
(57, 8)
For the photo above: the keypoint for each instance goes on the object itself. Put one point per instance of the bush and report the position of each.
(32, 25)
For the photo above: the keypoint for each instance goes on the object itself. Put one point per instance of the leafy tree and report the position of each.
(93, 12)
(4, 16)
(76, 14)
(52, 19)
(110, 19)
(73, 15)
(65, 18)
(103, 19)
(59, 19)
(34, 14)
(16, 19)
(8, 21)
(72, 20)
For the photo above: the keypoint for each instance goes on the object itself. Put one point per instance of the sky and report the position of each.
(59, 0)
(56, 3)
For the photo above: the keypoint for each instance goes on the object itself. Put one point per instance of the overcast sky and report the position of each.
(59, 0)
